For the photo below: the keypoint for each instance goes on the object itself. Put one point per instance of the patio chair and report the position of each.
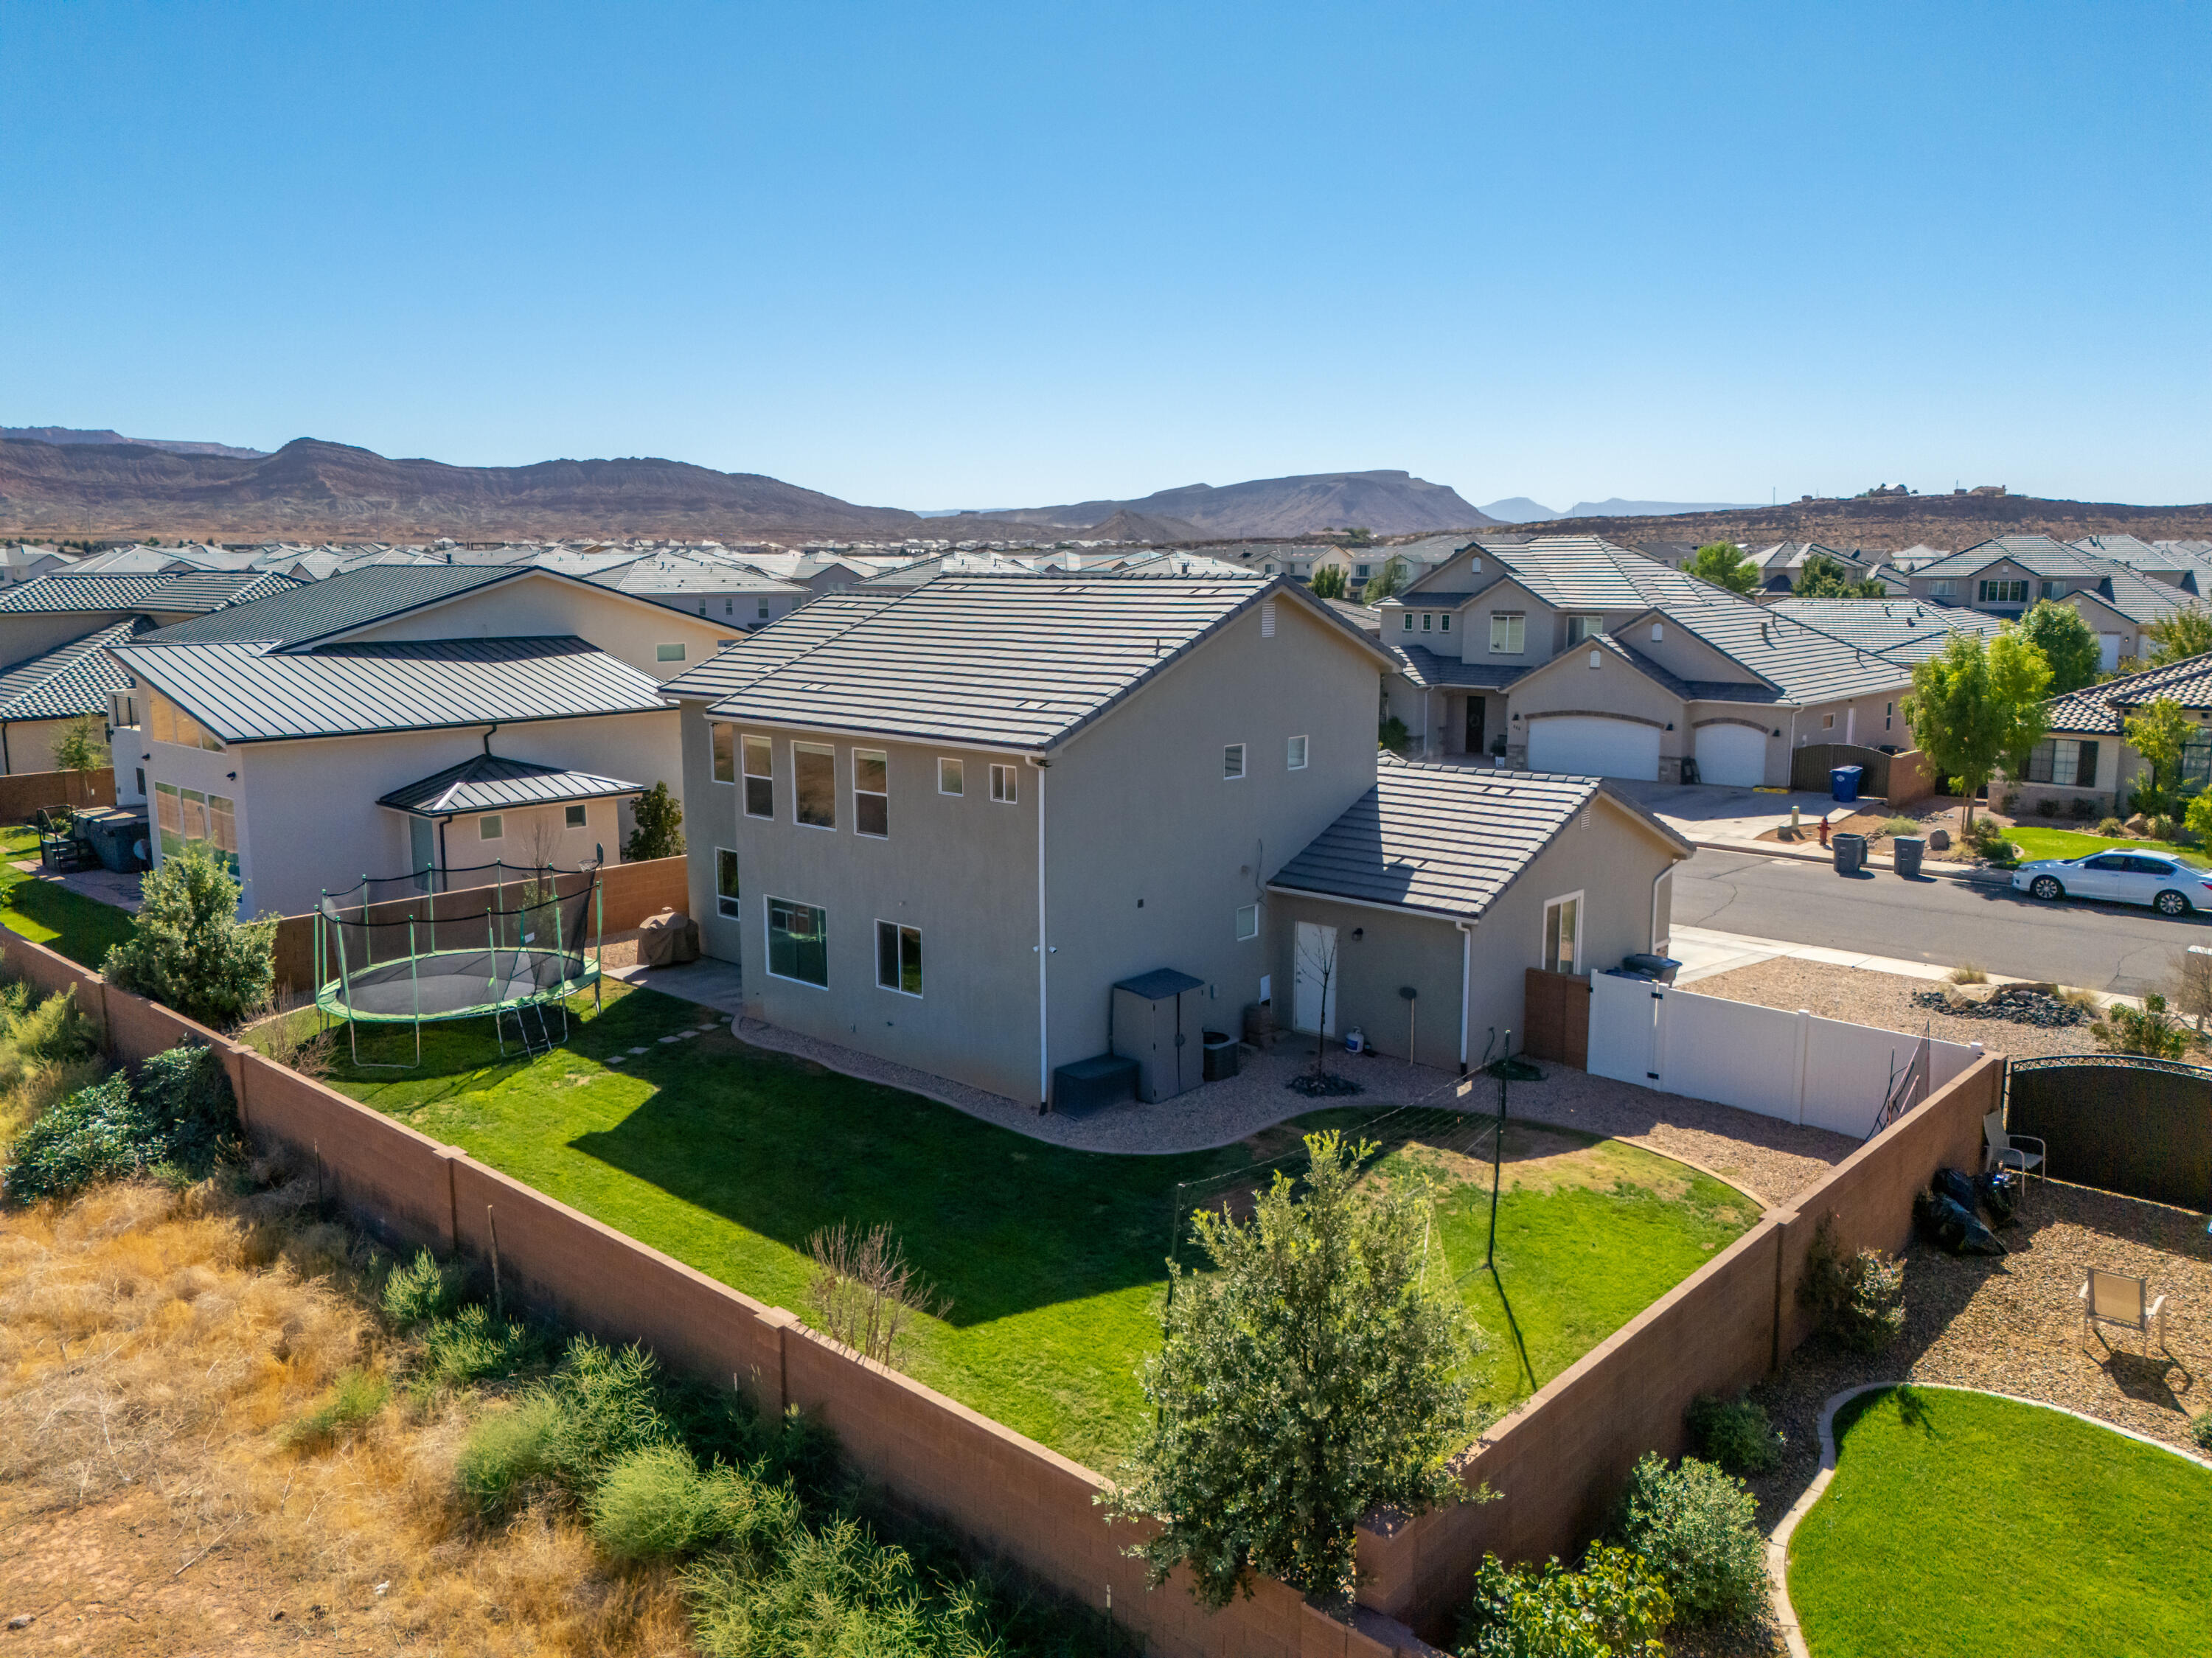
(2010, 1151)
(2116, 1299)
(59, 845)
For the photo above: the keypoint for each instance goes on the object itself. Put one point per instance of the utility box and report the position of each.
(1157, 1019)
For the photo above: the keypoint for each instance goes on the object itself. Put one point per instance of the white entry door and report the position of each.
(1731, 754)
(2108, 652)
(1589, 745)
(1313, 998)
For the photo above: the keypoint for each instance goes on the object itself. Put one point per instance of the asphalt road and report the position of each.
(2111, 947)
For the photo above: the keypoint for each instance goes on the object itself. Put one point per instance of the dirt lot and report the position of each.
(1883, 1000)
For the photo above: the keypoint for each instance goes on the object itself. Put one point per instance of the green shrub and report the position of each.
(2200, 1432)
(656, 1503)
(1858, 1299)
(472, 1345)
(1897, 826)
(1614, 1606)
(2162, 826)
(2083, 808)
(507, 1453)
(598, 1407)
(190, 950)
(2149, 1030)
(2012, 802)
(54, 1031)
(96, 1133)
(1697, 1530)
(1392, 734)
(421, 1289)
(610, 1408)
(355, 1397)
(2112, 829)
(1734, 1433)
(659, 832)
(186, 1092)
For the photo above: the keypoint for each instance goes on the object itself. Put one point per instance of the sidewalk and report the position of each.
(1812, 852)
(1704, 954)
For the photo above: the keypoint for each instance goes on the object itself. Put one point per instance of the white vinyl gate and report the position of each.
(1820, 1073)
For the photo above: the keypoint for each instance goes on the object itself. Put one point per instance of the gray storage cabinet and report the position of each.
(1158, 1020)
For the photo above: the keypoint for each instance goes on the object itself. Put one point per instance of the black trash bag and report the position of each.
(1999, 1192)
(1957, 1186)
(1952, 1226)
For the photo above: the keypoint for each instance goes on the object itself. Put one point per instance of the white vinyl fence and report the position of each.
(1820, 1073)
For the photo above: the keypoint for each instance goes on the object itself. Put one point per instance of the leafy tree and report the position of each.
(2181, 635)
(1823, 577)
(2066, 642)
(1394, 577)
(1976, 705)
(189, 950)
(2158, 731)
(1328, 582)
(659, 832)
(1724, 564)
(1314, 1373)
(81, 750)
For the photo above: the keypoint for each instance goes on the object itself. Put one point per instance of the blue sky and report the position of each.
(972, 255)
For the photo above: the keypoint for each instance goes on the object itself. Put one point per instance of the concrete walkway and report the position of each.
(1715, 811)
(706, 983)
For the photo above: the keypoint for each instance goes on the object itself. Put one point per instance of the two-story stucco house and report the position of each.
(2005, 575)
(940, 825)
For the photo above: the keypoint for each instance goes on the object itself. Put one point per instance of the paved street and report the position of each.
(2098, 946)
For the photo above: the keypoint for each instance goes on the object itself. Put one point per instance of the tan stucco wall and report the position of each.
(1395, 950)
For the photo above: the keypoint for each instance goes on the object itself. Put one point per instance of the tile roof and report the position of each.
(192, 590)
(663, 573)
(245, 692)
(1805, 664)
(1903, 629)
(306, 612)
(488, 782)
(1444, 839)
(731, 670)
(69, 680)
(2139, 599)
(2038, 554)
(1022, 661)
(1425, 669)
(2099, 709)
(1588, 573)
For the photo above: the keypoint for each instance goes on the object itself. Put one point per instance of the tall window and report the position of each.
(184, 816)
(872, 789)
(1407, 624)
(1247, 922)
(171, 724)
(1563, 918)
(1298, 756)
(725, 753)
(2062, 762)
(1509, 632)
(797, 943)
(760, 777)
(1003, 785)
(1232, 761)
(898, 957)
(952, 775)
(814, 785)
(1428, 621)
(1444, 622)
(725, 882)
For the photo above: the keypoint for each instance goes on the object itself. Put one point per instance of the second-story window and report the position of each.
(725, 753)
(814, 785)
(1297, 760)
(952, 775)
(1232, 761)
(1444, 622)
(2005, 593)
(1580, 628)
(1509, 632)
(668, 653)
(1428, 622)
(1408, 622)
(760, 778)
(871, 790)
(1004, 787)
(1943, 589)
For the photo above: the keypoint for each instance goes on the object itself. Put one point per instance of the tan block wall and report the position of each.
(23, 793)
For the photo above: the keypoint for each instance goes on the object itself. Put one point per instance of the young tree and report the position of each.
(2066, 642)
(1328, 582)
(189, 951)
(1722, 563)
(81, 750)
(659, 832)
(1394, 577)
(2158, 731)
(1976, 705)
(1823, 577)
(1313, 1375)
(2180, 636)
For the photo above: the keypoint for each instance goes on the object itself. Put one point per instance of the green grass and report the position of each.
(1959, 1526)
(2034, 843)
(81, 928)
(727, 1157)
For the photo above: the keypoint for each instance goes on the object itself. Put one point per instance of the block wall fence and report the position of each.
(22, 793)
(1556, 1463)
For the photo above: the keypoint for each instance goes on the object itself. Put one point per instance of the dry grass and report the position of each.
(154, 1350)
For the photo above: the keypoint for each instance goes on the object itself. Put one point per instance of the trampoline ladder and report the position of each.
(535, 1041)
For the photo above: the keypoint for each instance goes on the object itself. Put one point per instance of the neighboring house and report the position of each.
(50, 611)
(1903, 629)
(1782, 565)
(2120, 607)
(1672, 553)
(942, 825)
(2008, 574)
(25, 560)
(1366, 619)
(41, 698)
(731, 594)
(1572, 654)
(2086, 754)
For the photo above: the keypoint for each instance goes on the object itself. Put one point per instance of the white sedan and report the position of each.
(2167, 884)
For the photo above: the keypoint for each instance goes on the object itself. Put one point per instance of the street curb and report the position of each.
(1802, 855)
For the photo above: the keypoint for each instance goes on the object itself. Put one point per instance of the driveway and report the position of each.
(1716, 811)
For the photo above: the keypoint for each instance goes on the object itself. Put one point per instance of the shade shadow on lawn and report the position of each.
(727, 1157)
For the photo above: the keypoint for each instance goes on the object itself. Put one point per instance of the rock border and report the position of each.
(1778, 1542)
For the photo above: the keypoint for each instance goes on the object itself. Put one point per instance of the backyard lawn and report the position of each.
(1960, 1525)
(727, 1157)
(45, 912)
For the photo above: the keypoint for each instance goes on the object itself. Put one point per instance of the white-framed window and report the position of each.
(1428, 620)
(572, 815)
(1563, 933)
(182, 816)
(872, 793)
(726, 752)
(1827, 722)
(1232, 761)
(725, 883)
(1407, 624)
(1509, 632)
(760, 777)
(729, 605)
(1888, 711)
(1004, 788)
(797, 943)
(1444, 622)
(1580, 628)
(898, 958)
(763, 609)
(1943, 590)
(1359, 572)
(668, 653)
(952, 775)
(1658, 632)
(1247, 922)
(491, 827)
(814, 785)
(1298, 754)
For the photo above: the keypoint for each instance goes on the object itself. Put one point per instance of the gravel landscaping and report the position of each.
(1883, 1000)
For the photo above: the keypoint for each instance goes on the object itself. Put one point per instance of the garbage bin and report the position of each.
(1905, 849)
(1221, 1055)
(1843, 783)
(1661, 968)
(1851, 853)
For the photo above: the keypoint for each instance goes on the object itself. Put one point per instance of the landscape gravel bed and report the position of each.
(1884, 1000)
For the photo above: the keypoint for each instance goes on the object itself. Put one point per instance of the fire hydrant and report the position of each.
(1824, 829)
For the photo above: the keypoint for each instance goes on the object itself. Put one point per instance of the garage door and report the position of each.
(1588, 746)
(1731, 754)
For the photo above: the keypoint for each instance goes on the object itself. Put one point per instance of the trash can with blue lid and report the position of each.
(1645, 966)
(1844, 782)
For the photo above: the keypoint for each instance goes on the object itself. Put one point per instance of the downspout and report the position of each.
(7, 766)
(1038, 762)
(489, 730)
(1466, 985)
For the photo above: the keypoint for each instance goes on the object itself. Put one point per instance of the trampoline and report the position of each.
(496, 941)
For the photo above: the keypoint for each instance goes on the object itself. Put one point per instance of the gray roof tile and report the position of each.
(337, 604)
(197, 590)
(69, 680)
(730, 670)
(1903, 629)
(2038, 554)
(2099, 709)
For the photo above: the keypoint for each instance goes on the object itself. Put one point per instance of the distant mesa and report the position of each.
(1518, 509)
(1390, 503)
(175, 445)
(1619, 509)
(1146, 528)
